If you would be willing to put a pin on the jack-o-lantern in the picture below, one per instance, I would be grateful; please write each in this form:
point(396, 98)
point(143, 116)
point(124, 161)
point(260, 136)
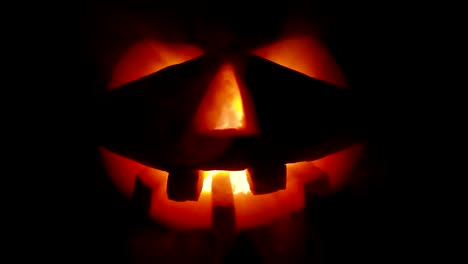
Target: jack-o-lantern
point(246, 130)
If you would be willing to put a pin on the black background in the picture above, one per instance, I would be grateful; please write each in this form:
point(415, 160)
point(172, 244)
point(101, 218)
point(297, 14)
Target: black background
point(82, 218)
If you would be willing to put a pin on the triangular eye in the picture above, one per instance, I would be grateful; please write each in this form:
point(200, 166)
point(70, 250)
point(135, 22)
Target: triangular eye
point(226, 105)
point(149, 56)
point(305, 55)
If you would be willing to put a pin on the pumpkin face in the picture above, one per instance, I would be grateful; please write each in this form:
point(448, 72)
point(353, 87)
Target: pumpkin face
point(217, 115)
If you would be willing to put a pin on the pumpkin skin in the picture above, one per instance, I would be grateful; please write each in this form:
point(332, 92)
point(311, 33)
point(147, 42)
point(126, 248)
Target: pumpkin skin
point(169, 140)
point(124, 165)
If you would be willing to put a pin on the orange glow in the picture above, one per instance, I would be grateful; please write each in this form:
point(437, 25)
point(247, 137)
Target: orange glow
point(305, 55)
point(228, 111)
point(224, 102)
point(227, 107)
point(150, 56)
point(122, 171)
point(339, 165)
point(254, 210)
point(251, 210)
point(223, 107)
point(239, 183)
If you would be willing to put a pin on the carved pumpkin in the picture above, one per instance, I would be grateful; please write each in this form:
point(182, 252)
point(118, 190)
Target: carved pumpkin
point(246, 129)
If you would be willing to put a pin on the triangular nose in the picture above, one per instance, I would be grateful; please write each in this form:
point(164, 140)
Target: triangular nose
point(226, 105)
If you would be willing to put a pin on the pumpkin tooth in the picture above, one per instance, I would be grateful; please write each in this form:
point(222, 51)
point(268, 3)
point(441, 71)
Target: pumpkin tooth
point(224, 215)
point(184, 185)
point(141, 196)
point(267, 178)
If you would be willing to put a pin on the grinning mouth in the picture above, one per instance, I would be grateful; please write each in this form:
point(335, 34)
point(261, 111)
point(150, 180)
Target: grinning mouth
point(320, 177)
